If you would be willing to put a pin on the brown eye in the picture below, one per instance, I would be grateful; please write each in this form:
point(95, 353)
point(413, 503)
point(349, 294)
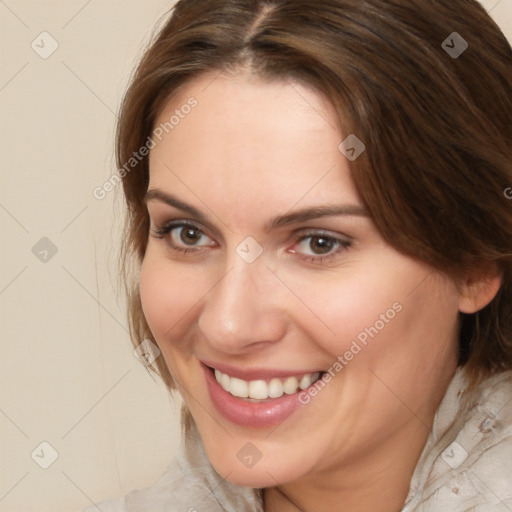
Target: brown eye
point(321, 244)
point(190, 235)
point(183, 236)
point(317, 247)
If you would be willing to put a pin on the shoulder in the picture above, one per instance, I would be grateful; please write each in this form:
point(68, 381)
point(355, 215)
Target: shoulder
point(189, 484)
point(467, 462)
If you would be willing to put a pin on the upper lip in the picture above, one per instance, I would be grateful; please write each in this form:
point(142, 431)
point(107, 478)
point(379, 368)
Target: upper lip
point(249, 374)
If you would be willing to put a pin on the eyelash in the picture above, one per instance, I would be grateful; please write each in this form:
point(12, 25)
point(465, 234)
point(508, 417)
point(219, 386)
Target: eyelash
point(165, 230)
point(339, 243)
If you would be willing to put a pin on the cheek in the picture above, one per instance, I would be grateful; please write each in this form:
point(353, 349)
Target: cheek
point(396, 308)
point(168, 296)
point(337, 308)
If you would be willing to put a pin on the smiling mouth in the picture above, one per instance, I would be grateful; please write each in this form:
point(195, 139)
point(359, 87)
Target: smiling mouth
point(260, 390)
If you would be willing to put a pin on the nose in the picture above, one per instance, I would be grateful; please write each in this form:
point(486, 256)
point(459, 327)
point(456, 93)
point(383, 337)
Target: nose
point(244, 310)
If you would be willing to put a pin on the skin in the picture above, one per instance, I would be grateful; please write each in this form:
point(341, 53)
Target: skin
point(249, 152)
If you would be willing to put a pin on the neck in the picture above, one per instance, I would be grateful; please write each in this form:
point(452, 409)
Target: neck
point(378, 480)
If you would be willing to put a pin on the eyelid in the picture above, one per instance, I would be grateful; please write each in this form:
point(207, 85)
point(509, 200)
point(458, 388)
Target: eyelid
point(343, 242)
point(175, 223)
point(181, 222)
point(305, 232)
point(169, 214)
point(165, 230)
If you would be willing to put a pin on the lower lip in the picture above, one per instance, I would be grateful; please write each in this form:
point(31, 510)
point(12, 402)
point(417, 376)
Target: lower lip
point(250, 414)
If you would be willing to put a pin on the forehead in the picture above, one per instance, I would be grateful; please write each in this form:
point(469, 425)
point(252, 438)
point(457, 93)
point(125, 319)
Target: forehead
point(250, 142)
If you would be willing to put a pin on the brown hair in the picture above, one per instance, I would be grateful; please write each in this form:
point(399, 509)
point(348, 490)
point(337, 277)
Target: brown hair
point(437, 126)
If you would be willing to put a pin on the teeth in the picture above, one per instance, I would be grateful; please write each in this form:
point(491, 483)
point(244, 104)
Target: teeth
point(222, 379)
point(261, 390)
point(239, 387)
point(258, 389)
point(305, 382)
point(290, 385)
point(275, 388)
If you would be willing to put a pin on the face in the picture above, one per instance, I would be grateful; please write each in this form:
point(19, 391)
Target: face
point(263, 264)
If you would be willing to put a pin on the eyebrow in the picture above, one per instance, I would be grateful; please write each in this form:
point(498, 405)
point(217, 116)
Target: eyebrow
point(295, 217)
point(155, 194)
point(317, 212)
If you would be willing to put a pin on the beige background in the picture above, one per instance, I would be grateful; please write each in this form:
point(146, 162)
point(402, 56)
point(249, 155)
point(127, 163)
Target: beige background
point(68, 375)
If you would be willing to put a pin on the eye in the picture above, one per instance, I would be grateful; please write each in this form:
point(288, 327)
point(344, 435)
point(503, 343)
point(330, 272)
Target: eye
point(318, 244)
point(183, 236)
point(188, 235)
point(316, 247)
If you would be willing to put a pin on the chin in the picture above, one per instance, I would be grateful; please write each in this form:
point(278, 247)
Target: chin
point(263, 473)
point(251, 479)
point(256, 478)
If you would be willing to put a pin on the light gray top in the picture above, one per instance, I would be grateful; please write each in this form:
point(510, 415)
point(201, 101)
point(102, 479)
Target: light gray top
point(466, 465)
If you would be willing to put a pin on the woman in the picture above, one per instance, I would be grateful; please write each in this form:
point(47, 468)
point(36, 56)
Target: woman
point(323, 253)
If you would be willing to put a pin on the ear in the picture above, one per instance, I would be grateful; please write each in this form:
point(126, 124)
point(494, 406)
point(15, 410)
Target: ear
point(479, 288)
